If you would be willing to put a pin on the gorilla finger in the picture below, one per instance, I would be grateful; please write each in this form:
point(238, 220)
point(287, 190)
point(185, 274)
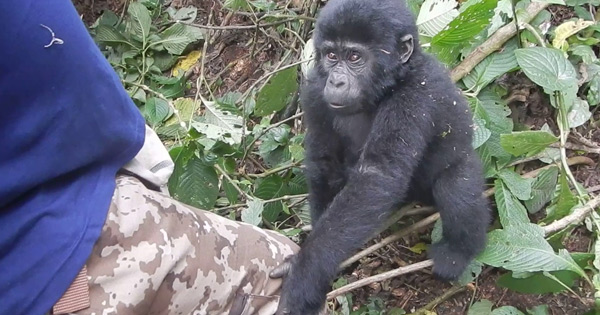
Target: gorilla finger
point(281, 270)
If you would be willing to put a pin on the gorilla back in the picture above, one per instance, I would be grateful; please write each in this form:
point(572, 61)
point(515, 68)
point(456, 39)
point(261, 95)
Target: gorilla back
point(385, 125)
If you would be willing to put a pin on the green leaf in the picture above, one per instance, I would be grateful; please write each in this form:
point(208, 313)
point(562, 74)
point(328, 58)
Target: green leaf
point(483, 307)
point(527, 142)
point(157, 110)
point(110, 36)
point(507, 310)
point(447, 43)
point(492, 67)
point(230, 192)
point(510, 210)
point(539, 310)
point(538, 283)
point(268, 188)
point(518, 186)
point(176, 38)
point(275, 94)
point(471, 273)
point(480, 133)
point(140, 23)
point(219, 125)
point(252, 213)
point(542, 189)
point(297, 185)
point(564, 202)
point(522, 248)
point(579, 113)
point(593, 94)
point(194, 183)
point(547, 67)
point(435, 15)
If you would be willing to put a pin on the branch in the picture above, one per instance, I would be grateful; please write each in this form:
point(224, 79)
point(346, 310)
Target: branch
point(380, 277)
point(494, 43)
point(574, 218)
point(241, 27)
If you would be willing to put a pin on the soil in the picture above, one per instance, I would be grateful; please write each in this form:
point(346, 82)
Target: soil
point(233, 65)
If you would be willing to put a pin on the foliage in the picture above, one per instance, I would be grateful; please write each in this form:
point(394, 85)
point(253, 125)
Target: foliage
point(237, 155)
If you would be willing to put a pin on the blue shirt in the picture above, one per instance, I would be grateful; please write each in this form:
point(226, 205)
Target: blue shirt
point(66, 127)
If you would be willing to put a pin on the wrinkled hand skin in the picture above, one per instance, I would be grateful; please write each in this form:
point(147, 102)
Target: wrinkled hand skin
point(303, 293)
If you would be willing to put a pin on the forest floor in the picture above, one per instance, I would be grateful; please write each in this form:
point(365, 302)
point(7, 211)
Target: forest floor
point(228, 59)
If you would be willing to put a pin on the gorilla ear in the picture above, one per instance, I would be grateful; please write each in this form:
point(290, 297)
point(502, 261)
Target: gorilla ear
point(406, 47)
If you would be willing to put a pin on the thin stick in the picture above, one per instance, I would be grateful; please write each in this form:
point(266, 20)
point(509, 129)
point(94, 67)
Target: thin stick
point(380, 277)
point(438, 300)
point(241, 27)
point(392, 238)
point(574, 218)
point(494, 43)
point(243, 193)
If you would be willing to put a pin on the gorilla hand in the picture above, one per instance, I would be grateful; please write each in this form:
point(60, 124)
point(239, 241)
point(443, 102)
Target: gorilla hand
point(298, 294)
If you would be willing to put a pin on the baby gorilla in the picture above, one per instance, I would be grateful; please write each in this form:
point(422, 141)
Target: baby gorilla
point(385, 125)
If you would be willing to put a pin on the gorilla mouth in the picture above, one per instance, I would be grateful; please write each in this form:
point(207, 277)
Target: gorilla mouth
point(335, 105)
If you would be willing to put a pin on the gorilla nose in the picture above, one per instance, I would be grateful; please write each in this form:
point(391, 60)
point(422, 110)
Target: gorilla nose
point(338, 80)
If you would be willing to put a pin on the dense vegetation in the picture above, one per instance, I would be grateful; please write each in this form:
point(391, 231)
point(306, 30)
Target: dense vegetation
point(237, 142)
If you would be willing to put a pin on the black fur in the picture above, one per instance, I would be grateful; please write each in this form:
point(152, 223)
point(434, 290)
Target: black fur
point(409, 140)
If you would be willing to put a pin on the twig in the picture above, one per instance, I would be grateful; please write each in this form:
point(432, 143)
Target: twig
point(494, 43)
point(275, 170)
point(241, 27)
point(574, 218)
point(438, 300)
point(268, 74)
point(578, 147)
point(282, 198)
point(243, 193)
point(380, 277)
point(535, 33)
point(392, 238)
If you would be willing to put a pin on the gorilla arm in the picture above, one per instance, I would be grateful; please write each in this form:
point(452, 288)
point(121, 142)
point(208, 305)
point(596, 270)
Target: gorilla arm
point(379, 183)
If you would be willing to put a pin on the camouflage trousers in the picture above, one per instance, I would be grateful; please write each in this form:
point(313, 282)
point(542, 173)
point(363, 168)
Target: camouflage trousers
point(158, 256)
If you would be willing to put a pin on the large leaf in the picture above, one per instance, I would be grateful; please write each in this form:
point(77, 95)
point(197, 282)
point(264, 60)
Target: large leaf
point(194, 183)
point(140, 20)
point(483, 307)
point(252, 213)
point(538, 283)
point(522, 248)
point(435, 15)
point(527, 142)
point(492, 67)
point(276, 93)
point(447, 43)
point(507, 310)
point(480, 133)
point(547, 67)
point(176, 38)
point(109, 35)
point(565, 201)
point(510, 210)
point(268, 188)
point(579, 113)
point(542, 189)
point(520, 187)
point(157, 110)
point(219, 125)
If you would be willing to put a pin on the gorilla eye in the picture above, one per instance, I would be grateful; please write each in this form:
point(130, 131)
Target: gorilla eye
point(332, 56)
point(354, 57)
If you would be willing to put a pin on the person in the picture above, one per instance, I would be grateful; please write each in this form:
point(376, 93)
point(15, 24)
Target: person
point(83, 227)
